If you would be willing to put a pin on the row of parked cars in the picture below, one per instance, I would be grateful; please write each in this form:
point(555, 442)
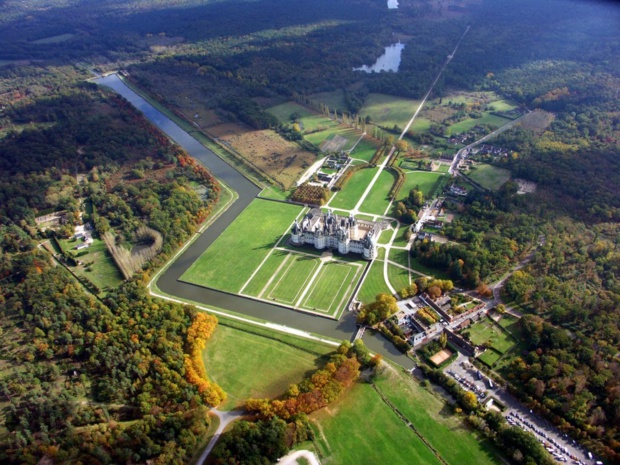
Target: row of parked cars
point(481, 393)
point(558, 451)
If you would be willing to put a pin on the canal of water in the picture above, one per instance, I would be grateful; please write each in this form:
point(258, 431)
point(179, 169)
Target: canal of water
point(169, 280)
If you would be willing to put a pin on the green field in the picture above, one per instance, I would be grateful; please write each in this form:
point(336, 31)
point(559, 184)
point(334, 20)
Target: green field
point(400, 239)
point(399, 277)
point(305, 282)
point(373, 284)
point(335, 99)
point(361, 429)
point(103, 272)
point(292, 279)
point(489, 176)
point(332, 287)
point(487, 119)
point(378, 201)
point(348, 197)
point(503, 105)
point(452, 439)
point(309, 120)
point(234, 357)
point(243, 246)
point(386, 110)
point(421, 268)
point(351, 135)
point(510, 324)
point(486, 331)
point(365, 149)
point(489, 357)
point(401, 257)
point(425, 180)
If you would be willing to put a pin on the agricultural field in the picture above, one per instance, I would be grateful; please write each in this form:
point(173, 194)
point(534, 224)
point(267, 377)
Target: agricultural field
point(373, 284)
point(307, 119)
point(386, 110)
point(305, 282)
point(487, 332)
point(489, 176)
point(281, 160)
point(281, 363)
point(348, 197)
point(243, 246)
point(378, 201)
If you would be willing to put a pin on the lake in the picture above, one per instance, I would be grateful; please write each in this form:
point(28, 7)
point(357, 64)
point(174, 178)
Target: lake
point(392, 4)
point(389, 61)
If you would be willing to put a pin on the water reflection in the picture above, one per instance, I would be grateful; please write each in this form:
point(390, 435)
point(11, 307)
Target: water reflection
point(389, 61)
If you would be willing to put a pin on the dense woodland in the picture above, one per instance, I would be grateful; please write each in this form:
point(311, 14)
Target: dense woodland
point(557, 55)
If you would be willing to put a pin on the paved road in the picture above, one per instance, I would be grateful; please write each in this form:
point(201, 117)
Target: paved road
point(291, 459)
point(225, 419)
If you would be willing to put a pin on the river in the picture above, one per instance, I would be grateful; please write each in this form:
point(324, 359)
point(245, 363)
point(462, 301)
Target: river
point(169, 280)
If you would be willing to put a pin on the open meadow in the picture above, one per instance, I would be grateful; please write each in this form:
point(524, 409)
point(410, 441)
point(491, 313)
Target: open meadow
point(280, 363)
point(426, 181)
point(387, 110)
point(309, 120)
point(446, 433)
point(243, 246)
point(489, 176)
point(373, 284)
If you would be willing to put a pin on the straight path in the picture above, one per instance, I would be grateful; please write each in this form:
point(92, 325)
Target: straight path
point(389, 156)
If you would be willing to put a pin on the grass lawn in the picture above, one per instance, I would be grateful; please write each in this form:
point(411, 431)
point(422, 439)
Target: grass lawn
point(385, 236)
point(417, 266)
point(332, 288)
point(292, 279)
point(487, 119)
point(272, 192)
point(373, 284)
point(399, 277)
point(348, 197)
point(365, 149)
point(243, 246)
point(455, 442)
point(401, 257)
point(489, 357)
point(486, 331)
point(361, 428)
point(234, 358)
point(103, 272)
point(510, 324)
point(387, 110)
point(258, 283)
point(400, 240)
point(378, 201)
point(489, 176)
point(425, 180)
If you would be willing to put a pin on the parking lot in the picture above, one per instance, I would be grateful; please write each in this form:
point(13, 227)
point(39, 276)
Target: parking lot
point(563, 448)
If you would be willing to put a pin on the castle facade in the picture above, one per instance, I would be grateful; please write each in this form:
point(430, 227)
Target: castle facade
point(344, 234)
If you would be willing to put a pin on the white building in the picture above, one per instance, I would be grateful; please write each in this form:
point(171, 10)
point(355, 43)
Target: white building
point(344, 234)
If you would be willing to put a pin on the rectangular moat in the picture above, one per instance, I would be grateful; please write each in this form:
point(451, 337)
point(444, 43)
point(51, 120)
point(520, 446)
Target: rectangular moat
point(284, 254)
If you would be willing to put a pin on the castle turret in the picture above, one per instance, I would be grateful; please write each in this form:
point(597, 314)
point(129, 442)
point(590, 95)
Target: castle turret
point(295, 233)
